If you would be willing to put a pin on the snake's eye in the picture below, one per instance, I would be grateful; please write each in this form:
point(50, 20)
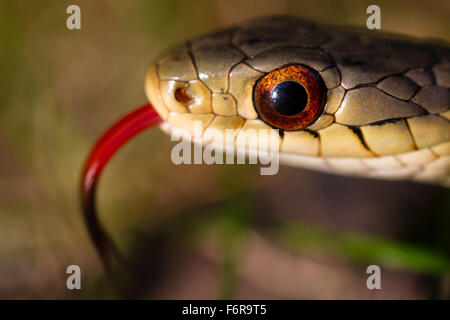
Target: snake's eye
point(290, 98)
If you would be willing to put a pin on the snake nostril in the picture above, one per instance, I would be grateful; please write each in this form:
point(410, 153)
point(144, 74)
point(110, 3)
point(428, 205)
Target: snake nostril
point(182, 95)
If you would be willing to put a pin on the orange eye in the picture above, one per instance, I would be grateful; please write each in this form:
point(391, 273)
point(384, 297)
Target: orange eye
point(290, 98)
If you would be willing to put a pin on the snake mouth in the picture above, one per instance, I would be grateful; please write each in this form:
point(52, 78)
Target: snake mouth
point(152, 90)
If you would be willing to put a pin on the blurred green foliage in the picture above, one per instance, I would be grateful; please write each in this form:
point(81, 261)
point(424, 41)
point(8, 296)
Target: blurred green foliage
point(364, 248)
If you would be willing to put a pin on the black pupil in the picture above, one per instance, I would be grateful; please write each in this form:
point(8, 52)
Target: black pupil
point(289, 98)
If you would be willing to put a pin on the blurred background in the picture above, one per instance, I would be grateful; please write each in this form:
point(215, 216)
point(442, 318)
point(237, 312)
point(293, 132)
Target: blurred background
point(190, 231)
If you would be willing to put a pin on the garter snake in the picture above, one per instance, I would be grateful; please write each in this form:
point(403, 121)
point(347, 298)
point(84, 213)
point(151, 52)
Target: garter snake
point(340, 100)
point(383, 112)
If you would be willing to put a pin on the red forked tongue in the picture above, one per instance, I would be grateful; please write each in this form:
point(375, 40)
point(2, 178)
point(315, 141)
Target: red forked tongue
point(111, 141)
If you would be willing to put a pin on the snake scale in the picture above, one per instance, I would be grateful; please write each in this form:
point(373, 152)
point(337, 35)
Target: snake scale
point(385, 111)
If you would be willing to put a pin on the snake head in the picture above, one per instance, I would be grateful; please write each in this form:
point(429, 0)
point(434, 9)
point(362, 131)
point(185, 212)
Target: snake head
point(341, 100)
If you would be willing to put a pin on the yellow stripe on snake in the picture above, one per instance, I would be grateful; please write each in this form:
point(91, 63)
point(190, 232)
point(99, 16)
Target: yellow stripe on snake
point(384, 112)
